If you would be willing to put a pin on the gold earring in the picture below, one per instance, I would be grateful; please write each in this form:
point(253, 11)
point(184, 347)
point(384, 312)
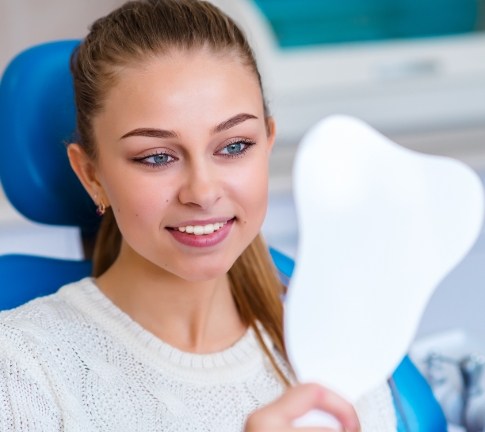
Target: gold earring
point(100, 207)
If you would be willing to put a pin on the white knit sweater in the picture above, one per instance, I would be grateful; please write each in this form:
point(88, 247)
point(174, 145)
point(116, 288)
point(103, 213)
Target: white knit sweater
point(73, 361)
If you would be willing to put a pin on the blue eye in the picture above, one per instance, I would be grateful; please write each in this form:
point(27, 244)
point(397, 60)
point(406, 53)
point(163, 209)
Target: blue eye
point(155, 160)
point(235, 148)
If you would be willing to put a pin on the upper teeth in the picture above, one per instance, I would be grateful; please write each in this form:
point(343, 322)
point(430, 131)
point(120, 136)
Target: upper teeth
point(201, 229)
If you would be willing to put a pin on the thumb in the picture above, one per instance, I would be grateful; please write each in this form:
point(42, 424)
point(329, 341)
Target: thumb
point(301, 399)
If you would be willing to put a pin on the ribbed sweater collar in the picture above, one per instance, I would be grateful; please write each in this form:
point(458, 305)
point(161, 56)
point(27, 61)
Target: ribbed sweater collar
point(237, 360)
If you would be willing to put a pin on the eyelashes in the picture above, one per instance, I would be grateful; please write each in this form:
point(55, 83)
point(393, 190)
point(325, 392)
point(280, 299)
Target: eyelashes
point(158, 159)
point(236, 148)
point(155, 159)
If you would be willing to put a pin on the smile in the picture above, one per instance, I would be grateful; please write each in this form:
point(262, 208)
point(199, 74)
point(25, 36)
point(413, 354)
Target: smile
point(201, 229)
point(202, 236)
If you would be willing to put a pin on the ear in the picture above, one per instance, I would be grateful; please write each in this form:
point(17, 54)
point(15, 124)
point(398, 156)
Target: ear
point(86, 171)
point(271, 131)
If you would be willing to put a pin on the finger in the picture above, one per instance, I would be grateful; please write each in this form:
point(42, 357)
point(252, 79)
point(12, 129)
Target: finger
point(301, 399)
point(255, 428)
point(340, 408)
point(257, 423)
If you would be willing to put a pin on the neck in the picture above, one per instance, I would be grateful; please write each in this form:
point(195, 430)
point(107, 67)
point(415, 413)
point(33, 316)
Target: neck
point(193, 316)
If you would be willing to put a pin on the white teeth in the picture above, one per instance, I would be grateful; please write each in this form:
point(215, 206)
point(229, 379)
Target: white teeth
point(209, 229)
point(201, 229)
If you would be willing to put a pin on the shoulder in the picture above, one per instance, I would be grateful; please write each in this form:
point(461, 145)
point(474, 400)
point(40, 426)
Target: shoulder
point(43, 319)
point(36, 354)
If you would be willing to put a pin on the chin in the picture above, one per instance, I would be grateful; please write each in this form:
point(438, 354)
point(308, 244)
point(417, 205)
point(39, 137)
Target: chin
point(205, 274)
point(204, 268)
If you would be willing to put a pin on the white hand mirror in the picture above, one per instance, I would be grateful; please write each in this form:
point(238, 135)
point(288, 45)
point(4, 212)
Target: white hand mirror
point(379, 227)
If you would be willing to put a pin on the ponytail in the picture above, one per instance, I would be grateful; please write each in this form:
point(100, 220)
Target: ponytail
point(108, 243)
point(258, 293)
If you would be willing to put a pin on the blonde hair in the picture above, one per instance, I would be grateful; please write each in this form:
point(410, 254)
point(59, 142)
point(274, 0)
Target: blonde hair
point(131, 33)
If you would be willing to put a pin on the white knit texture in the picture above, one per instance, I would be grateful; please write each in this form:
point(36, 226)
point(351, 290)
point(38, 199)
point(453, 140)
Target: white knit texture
point(73, 362)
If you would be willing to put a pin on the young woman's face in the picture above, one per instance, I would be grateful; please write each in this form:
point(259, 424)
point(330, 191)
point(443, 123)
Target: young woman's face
point(183, 152)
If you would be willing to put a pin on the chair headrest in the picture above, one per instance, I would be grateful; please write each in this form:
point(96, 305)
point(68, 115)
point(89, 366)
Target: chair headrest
point(37, 120)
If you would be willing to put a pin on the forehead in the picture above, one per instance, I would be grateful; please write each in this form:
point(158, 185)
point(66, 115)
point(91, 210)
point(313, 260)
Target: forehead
point(180, 90)
point(200, 74)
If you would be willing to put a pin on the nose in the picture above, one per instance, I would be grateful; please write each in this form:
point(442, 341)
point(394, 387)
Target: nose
point(201, 186)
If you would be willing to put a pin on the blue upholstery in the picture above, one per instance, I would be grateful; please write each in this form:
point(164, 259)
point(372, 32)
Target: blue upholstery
point(26, 277)
point(417, 409)
point(36, 119)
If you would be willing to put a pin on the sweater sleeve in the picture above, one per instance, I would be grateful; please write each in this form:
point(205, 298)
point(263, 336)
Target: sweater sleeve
point(376, 410)
point(26, 402)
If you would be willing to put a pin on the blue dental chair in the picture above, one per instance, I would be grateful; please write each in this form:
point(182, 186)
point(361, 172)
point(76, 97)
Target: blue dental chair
point(37, 118)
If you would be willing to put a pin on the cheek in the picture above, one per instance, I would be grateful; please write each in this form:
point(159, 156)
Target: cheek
point(137, 200)
point(253, 192)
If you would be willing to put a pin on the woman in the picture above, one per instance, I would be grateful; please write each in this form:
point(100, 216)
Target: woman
point(180, 327)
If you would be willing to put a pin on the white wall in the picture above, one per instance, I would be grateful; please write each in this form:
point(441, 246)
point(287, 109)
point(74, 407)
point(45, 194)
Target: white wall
point(24, 23)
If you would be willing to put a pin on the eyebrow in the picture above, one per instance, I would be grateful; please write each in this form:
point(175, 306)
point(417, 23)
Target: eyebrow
point(233, 121)
point(162, 133)
point(150, 132)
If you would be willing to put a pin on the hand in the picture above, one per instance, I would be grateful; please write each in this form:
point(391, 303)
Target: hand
point(279, 415)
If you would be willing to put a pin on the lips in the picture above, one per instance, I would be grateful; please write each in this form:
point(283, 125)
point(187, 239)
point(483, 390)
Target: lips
point(202, 234)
